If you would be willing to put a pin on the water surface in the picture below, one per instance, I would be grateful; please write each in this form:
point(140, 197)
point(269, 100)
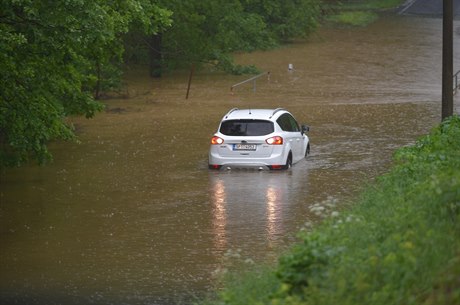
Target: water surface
point(132, 215)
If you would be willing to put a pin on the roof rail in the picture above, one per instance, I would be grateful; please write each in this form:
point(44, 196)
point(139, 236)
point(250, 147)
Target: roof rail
point(226, 116)
point(275, 111)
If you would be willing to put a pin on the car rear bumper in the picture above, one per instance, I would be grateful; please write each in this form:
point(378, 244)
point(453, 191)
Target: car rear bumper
point(273, 162)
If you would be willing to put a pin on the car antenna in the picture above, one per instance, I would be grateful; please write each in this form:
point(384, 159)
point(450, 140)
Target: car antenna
point(250, 111)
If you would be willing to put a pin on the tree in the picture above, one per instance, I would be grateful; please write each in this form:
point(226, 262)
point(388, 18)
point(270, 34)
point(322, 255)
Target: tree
point(53, 57)
point(287, 19)
point(208, 31)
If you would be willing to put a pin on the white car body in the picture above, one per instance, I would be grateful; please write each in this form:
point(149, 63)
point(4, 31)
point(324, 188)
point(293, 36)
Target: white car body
point(258, 138)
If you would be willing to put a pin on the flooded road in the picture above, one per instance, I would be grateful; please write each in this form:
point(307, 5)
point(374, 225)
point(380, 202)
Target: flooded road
point(132, 215)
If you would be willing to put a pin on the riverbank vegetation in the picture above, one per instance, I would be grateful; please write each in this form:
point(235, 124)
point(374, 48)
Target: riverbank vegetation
point(56, 59)
point(358, 12)
point(398, 244)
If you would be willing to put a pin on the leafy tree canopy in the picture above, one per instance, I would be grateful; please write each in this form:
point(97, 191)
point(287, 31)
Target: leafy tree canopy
point(207, 31)
point(51, 56)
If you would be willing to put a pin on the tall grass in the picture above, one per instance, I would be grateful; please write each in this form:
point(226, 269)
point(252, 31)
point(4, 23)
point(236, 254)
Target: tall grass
point(398, 244)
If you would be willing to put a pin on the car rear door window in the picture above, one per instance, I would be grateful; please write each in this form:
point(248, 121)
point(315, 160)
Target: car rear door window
point(294, 124)
point(246, 127)
point(288, 123)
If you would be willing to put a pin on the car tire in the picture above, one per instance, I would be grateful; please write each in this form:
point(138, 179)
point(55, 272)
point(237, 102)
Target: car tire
point(307, 151)
point(288, 162)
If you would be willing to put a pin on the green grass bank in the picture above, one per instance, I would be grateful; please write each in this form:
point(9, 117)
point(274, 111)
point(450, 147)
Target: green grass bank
point(399, 243)
point(357, 12)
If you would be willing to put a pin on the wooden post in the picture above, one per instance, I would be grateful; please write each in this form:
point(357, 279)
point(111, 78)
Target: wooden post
point(447, 60)
point(192, 68)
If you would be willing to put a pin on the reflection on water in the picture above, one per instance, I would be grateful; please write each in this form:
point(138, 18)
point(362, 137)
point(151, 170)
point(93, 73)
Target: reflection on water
point(257, 204)
point(218, 196)
point(273, 212)
point(131, 215)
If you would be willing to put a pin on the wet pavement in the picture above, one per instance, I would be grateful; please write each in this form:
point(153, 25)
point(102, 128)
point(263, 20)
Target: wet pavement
point(428, 8)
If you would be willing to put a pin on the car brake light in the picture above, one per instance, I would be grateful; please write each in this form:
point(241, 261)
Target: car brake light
point(277, 140)
point(216, 140)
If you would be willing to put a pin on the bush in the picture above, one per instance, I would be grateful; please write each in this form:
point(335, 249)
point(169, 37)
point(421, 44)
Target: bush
point(387, 249)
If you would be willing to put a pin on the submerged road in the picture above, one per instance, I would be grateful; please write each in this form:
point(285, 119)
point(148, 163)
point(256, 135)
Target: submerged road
point(428, 8)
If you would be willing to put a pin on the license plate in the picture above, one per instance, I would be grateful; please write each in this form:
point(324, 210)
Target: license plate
point(244, 147)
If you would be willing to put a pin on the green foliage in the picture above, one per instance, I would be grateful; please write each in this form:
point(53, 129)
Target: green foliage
point(393, 245)
point(371, 4)
point(354, 18)
point(55, 58)
point(257, 288)
point(309, 257)
point(358, 13)
point(287, 19)
point(225, 63)
point(208, 31)
point(402, 231)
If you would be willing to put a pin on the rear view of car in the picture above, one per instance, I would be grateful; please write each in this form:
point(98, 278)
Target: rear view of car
point(258, 138)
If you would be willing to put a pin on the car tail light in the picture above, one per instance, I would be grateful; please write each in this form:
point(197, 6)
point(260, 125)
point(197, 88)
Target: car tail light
point(276, 167)
point(275, 140)
point(216, 140)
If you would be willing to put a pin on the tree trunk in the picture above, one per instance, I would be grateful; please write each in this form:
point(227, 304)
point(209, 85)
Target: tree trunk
point(97, 90)
point(155, 55)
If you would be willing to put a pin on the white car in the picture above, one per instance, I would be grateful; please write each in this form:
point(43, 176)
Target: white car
point(258, 138)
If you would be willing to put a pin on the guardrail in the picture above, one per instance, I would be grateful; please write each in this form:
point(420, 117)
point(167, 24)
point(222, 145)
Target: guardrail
point(253, 79)
point(456, 82)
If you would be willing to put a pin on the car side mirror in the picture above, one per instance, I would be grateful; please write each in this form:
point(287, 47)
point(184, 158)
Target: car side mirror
point(305, 128)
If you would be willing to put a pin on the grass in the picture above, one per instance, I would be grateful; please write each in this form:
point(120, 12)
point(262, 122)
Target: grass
point(372, 4)
point(354, 18)
point(398, 244)
point(358, 13)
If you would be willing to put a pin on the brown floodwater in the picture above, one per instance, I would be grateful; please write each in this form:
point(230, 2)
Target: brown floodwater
point(132, 215)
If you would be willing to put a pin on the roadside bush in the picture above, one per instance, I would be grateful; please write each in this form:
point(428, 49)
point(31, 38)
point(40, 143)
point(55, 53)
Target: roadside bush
point(388, 248)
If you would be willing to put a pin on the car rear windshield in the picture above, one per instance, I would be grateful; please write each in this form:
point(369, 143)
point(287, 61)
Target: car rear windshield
point(246, 127)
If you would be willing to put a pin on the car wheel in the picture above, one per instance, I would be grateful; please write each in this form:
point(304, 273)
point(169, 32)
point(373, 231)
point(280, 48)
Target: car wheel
point(288, 162)
point(307, 151)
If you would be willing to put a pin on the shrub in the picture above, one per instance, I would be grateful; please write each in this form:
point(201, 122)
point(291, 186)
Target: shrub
point(387, 249)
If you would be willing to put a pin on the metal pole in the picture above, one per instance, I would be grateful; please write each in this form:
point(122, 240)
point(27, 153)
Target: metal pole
point(192, 68)
point(447, 60)
point(456, 82)
point(250, 79)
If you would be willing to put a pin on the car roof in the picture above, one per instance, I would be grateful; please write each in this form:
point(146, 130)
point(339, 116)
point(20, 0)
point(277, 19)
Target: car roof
point(254, 114)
